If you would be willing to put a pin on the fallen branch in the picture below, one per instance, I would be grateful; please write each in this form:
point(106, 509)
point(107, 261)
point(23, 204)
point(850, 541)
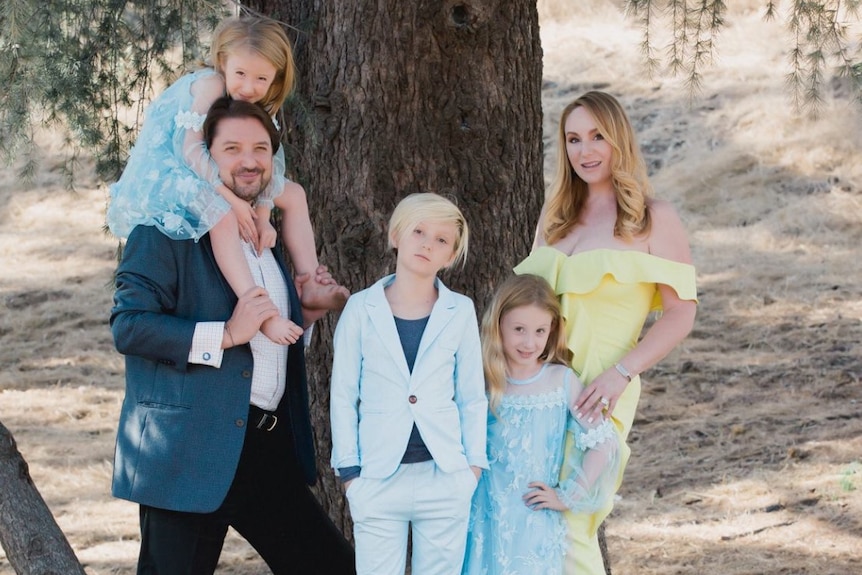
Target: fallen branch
point(756, 531)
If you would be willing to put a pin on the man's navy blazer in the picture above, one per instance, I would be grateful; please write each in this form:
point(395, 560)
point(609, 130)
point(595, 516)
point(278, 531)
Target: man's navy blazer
point(182, 425)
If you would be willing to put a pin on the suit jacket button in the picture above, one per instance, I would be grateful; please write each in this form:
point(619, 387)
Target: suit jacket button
point(239, 422)
point(246, 373)
point(412, 399)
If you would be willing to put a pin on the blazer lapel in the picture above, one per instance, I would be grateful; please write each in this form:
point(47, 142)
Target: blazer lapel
point(384, 324)
point(441, 314)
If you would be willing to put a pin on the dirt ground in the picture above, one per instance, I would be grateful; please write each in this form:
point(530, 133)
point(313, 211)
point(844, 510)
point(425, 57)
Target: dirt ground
point(747, 450)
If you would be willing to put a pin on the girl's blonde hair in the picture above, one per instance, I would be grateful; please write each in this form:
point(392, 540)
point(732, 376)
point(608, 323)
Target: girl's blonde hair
point(568, 193)
point(429, 207)
point(519, 291)
point(265, 38)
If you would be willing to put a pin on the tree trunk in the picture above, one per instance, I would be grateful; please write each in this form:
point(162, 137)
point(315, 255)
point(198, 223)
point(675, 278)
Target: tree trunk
point(603, 546)
point(29, 535)
point(398, 97)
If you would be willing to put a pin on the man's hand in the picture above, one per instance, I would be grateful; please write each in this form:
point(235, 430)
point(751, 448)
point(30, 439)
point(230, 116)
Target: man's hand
point(319, 293)
point(252, 309)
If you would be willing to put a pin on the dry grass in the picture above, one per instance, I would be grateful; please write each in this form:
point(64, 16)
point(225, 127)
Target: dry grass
point(747, 452)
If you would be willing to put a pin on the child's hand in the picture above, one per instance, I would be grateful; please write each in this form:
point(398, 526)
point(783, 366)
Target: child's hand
point(477, 471)
point(543, 497)
point(245, 217)
point(266, 235)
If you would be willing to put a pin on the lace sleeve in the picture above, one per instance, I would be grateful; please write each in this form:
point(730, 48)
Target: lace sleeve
point(591, 467)
point(276, 184)
point(192, 106)
point(194, 151)
point(188, 120)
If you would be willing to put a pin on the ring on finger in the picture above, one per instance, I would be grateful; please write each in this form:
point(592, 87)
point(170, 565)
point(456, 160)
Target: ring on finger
point(605, 401)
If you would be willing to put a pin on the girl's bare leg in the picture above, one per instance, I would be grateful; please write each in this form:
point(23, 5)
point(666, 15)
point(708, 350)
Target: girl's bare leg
point(299, 238)
point(232, 263)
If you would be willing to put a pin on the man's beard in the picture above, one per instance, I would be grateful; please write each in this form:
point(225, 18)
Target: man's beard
point(247, 192)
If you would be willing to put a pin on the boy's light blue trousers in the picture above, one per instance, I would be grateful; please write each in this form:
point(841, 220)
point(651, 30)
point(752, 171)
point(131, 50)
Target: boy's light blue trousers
point(436, 504)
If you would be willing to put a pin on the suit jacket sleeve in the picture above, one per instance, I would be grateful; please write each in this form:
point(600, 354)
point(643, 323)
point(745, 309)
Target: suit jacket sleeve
point(470, 391)
point(147, 283)
point(344, 389)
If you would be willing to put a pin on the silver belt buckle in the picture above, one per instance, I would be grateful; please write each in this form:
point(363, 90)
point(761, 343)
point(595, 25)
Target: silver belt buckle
point(262, 424)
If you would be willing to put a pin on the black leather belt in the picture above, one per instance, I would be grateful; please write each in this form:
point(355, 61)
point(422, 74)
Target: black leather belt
point(261, 419)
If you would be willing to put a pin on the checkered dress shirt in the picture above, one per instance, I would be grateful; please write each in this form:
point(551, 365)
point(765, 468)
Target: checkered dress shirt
point(270, 359)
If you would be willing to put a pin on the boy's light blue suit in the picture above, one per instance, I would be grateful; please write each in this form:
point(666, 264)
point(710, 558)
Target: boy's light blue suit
point(376, 399)
point(447, 386)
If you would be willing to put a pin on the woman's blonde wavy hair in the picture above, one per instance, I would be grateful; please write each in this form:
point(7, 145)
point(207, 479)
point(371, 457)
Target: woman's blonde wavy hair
point(267, 39)
point(568, 193)
point(519, 291)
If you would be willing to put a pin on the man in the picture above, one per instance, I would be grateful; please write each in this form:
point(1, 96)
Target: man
point(214, 429)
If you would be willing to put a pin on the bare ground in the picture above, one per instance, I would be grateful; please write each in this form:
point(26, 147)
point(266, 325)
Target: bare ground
point(747, 450)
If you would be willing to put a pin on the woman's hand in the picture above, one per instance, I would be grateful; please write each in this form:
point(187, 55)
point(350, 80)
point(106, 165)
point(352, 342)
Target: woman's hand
point(601, 396)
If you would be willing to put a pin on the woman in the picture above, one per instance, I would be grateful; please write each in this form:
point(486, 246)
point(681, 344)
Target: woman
point(613, 255)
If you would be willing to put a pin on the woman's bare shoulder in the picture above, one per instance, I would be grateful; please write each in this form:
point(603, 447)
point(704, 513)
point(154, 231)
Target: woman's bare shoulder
point(667, 235)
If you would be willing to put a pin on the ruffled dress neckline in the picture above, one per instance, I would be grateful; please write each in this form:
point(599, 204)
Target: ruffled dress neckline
point(532, 379)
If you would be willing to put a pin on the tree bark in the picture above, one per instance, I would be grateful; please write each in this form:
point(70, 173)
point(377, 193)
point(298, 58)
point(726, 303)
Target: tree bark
point(398, 97)
point(603, 547)
point(29, 535)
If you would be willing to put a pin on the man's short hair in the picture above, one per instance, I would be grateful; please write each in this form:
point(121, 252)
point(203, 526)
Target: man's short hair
point(226, 107)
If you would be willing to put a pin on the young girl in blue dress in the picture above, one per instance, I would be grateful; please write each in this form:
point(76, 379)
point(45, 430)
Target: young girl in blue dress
point(171, 182)
point(516, 523)
point(408, 405)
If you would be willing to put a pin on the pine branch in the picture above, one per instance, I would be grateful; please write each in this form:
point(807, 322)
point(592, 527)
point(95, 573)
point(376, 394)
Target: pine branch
point(643, 11)
point(77, 64)
point(818, 31)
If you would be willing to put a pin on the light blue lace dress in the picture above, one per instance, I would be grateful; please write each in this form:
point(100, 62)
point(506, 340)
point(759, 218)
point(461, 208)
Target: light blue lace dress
point(525, 444)
point(169, 184)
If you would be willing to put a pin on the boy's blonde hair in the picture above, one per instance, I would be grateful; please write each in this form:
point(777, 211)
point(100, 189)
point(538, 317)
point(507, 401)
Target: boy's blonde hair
point(568, 193)
point(519, 291)
point(265, 38)
point(429, 207)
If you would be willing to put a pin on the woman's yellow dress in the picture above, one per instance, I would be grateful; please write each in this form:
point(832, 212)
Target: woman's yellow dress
point(606, 295)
